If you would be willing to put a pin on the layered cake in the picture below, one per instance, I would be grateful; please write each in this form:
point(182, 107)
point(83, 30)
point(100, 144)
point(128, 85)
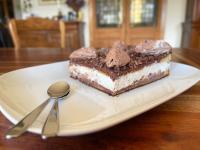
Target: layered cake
point(122, 67)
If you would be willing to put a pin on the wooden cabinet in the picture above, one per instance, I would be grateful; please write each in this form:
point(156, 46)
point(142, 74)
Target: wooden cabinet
point(72, 33)
point(127, 20)
point(47, 33)
point(195, 35)
point(191, 26)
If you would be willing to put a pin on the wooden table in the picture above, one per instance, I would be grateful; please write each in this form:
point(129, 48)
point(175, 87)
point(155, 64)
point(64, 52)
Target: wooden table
point(173, 125)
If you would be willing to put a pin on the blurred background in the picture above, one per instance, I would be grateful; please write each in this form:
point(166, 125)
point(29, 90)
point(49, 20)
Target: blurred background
point(100, 22)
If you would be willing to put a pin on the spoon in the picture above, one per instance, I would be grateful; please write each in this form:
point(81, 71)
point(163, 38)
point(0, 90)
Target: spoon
point(57, 90)
point(51, 125)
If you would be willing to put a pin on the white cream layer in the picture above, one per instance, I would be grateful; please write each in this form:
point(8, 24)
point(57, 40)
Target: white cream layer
point(124, 81)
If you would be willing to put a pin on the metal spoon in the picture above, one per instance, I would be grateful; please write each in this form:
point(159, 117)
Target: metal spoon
point(51, 125)
point(56, 90)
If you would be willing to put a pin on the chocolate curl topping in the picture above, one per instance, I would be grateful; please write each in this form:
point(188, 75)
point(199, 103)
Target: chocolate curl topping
point(84, 53)
point(153, 47)
point(117, 57)
point(120, 45)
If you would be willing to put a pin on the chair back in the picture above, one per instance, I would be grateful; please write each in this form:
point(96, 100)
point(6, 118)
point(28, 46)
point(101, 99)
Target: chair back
point(35, 33)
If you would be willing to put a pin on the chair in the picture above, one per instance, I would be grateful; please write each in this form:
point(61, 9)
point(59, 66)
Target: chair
point(35, 33)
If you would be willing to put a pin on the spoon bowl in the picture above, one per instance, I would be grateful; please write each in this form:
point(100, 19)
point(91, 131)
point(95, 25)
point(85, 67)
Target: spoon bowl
point(58, 89)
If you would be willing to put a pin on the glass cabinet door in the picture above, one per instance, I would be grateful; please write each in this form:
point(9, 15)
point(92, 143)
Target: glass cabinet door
point(143, 13)
point(108, 13)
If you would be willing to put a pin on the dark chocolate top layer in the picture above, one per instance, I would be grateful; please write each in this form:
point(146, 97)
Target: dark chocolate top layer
point(137, 59)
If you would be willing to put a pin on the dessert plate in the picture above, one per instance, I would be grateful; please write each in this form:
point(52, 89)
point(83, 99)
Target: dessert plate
point(85, 109)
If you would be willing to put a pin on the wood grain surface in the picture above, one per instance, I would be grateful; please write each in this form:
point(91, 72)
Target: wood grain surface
point(172, 125)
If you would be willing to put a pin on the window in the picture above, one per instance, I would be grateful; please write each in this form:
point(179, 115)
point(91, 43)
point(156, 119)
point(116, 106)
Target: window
point(109, 13)
point(143, 13)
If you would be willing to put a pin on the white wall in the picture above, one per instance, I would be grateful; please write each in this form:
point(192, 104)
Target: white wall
point(86, 23)
point(17, 8)
point(47, 10)
point(174, 18)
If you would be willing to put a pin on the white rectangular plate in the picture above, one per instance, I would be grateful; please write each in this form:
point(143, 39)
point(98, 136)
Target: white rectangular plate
point(85, 110)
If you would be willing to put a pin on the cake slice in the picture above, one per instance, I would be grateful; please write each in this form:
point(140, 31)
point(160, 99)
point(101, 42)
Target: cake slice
point(122, 67)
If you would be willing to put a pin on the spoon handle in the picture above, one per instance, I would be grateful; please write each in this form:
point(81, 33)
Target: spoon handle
point(51, 125)
point(23, 125)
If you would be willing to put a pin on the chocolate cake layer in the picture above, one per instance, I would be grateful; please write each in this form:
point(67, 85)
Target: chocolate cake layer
point(150, 78)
